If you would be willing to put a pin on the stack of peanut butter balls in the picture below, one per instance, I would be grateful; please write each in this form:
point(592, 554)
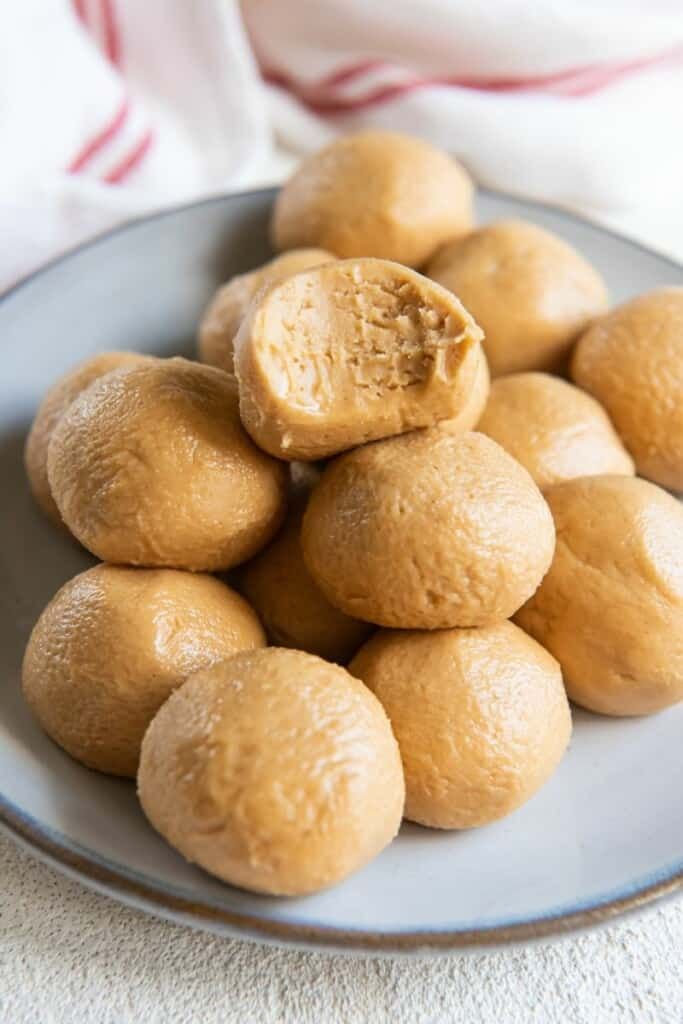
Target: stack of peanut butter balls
point(414, 443)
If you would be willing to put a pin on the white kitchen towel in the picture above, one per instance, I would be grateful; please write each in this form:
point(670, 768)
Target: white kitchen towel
point(112, 107)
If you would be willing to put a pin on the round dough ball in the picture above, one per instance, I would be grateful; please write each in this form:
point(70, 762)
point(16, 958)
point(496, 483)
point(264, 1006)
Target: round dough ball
point(349, 352)
point(556, 431)
point(224, 314)
point(113, 644)
point(375, 194)
point(275, 771)
point(57, 401)
point(470, 414)
point(632, 361)
point(427, 531)
point(291, 605)
point(611, 607)
point(530, 292)
point(480, 715)
point(151, 466)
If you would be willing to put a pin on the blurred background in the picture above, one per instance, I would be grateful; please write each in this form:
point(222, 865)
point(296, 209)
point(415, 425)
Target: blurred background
point(110, 108)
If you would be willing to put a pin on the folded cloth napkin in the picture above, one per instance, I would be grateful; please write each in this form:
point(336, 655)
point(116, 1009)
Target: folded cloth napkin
point(109, 108)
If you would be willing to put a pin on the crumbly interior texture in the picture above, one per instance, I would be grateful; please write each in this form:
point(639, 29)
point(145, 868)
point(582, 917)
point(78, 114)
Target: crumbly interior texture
point(112, 645)
point(480, 715)
point(224, 314)
point(553, 429)
point(275, 771)
point(530, 292)
point(350, 352)
point(427, 531)
point(151, 467)
point(54, 404)
point(611, 606)
point(380, 194)
point(632, 362)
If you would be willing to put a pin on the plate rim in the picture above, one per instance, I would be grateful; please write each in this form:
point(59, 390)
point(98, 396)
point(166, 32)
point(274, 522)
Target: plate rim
point(44, 843)
point(53, 847)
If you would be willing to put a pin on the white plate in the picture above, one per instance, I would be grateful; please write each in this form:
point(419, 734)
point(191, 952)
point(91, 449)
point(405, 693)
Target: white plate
point(604, 836)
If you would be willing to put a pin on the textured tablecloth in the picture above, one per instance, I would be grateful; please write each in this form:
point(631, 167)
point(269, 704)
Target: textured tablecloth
point(69, 956)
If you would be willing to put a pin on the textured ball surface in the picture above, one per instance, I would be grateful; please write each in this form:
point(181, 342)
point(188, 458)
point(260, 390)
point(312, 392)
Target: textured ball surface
point(375, 194)
point(428, 530)
point(611, 606)
point(632, 361)
point(151, 466)
point(480, 715)
point(553, 429)
point(275, 771)
point(530, 292)
point(54, 404)
point(113, 644)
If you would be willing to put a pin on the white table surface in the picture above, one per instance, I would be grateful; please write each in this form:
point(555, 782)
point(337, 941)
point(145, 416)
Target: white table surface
point(69, 956)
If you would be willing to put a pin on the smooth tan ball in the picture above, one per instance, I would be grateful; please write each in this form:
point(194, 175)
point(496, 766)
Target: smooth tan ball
point(480, 715)
point(555, 430)
point(375, 194)
point(611, 607)
point(349, 352)
point(111, 646)
point(224, 314)
point(427, 531)
point(530, 291)
point(475, 403)
point(632, 361)
point(56, 401)
point(291, 605)
point(275, 771)
point(151, 466)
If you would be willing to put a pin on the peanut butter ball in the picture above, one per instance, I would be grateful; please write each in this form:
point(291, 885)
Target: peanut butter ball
point(480, 715)
point(111, 646)
point(151, 466)
point(427, 531)
point(275, 771)
point(56, 401)
point(349, 352)
point(611, 607)
point(530, 291)
point(224, 314)
point(632, 361)
point(290, 604)
point(375, 194)
point(555, 430)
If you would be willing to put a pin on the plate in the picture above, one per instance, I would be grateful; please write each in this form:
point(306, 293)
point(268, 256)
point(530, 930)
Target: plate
point(603, 837)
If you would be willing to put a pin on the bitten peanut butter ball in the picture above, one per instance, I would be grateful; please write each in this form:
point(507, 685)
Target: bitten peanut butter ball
point(480, 715)
point(375, 194)
point(114, 643)
point(151, 466)
point(57, 401)
point(555, 430)
point(632, 361)
point(427, 531)
point(611, 606)
point(224, 314)
point(531, 293)
point(275, 771)
point(350, 352)
point(290, 604)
